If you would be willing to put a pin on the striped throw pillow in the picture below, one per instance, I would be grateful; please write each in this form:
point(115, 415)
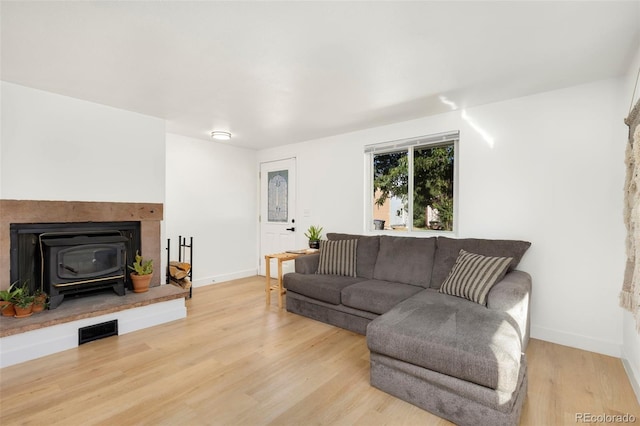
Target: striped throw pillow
point(473, 275)
point(338, 257)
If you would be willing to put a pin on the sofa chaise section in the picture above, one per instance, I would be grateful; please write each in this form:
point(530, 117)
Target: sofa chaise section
point(452, 357)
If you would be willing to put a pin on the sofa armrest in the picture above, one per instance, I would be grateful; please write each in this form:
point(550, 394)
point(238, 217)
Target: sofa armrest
point(307, 264)
point(513, 296)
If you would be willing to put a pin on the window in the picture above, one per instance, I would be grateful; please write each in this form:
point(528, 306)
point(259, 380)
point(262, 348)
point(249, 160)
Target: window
point(278, 196)
point(412, 183)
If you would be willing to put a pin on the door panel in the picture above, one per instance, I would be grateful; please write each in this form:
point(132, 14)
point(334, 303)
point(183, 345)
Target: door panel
point(277, 210)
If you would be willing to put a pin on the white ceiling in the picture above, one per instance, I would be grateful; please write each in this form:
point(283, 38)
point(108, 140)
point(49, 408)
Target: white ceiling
point(274, 73)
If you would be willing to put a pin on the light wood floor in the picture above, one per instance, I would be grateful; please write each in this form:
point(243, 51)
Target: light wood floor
point(235, 361)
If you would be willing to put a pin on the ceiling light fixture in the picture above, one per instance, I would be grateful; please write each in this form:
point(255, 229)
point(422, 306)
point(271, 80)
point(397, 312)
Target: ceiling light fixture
point(220, 136)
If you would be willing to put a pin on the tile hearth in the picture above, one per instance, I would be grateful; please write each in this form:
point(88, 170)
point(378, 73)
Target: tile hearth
point(77, 308)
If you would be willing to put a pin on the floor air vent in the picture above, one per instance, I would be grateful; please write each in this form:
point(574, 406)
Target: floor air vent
point(97, 331)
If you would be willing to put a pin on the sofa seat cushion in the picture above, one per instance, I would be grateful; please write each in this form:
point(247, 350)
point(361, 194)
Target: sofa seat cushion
point(406, 260)
point(377, 296)
point(452, 336)
point(322, 287)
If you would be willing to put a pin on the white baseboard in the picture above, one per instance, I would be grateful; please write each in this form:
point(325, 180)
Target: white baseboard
point(30, 345)
point(577, 341)
point(224, 277)
point(633, 373)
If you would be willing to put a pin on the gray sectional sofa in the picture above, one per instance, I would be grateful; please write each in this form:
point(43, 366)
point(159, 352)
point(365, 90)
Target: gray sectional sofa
point(461, 360)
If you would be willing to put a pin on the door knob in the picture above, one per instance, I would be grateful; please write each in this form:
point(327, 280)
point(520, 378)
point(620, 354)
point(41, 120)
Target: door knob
point(293, 228)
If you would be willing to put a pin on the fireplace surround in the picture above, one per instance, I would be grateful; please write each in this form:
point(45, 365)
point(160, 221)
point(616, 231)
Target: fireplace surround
point(14, 212)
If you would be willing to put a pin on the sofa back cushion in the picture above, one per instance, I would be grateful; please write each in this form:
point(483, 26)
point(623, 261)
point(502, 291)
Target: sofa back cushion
point(366, 252)
point(449, 249)
point(406, 260)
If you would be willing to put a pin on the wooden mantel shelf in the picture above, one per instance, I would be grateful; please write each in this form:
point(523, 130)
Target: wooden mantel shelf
point(42, 211)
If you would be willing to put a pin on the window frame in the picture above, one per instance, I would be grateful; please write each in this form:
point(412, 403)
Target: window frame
point(409, 145)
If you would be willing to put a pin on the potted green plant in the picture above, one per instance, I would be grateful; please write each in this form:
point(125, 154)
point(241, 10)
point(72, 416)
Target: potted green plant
point(23, 302)
point(142, 274)
point(6, 300)
point(39, 300)
point(313, 234)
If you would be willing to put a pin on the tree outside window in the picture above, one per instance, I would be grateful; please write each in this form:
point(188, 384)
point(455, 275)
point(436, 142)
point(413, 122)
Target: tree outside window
point(424, 171)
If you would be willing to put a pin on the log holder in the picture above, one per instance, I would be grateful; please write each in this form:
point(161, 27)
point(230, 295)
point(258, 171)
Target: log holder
point(183, 250)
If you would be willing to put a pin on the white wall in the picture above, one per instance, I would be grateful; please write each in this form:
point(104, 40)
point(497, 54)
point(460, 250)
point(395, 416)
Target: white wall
point(542, 168)
point(630, 336)
point(82, 151)
point(212, 196)
point(59, 148)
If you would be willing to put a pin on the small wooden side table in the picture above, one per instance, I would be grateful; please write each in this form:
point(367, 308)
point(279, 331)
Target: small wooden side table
point(282, 257)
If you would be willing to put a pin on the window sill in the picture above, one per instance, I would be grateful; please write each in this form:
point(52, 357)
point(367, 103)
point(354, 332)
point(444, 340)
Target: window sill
point(417, 234)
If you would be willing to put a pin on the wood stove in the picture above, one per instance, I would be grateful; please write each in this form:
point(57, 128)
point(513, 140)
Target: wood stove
point(73, 258)
point(77, 262)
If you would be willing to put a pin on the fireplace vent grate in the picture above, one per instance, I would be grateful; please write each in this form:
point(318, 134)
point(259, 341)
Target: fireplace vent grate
point(98, 331)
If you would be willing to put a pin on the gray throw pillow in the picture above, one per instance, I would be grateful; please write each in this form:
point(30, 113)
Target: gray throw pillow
point(449, 248)
point(338, 257)
point(366, 254)
point(473, 275)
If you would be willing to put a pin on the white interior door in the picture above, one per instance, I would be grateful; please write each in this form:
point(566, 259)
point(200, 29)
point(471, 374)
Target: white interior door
point(277, 210)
